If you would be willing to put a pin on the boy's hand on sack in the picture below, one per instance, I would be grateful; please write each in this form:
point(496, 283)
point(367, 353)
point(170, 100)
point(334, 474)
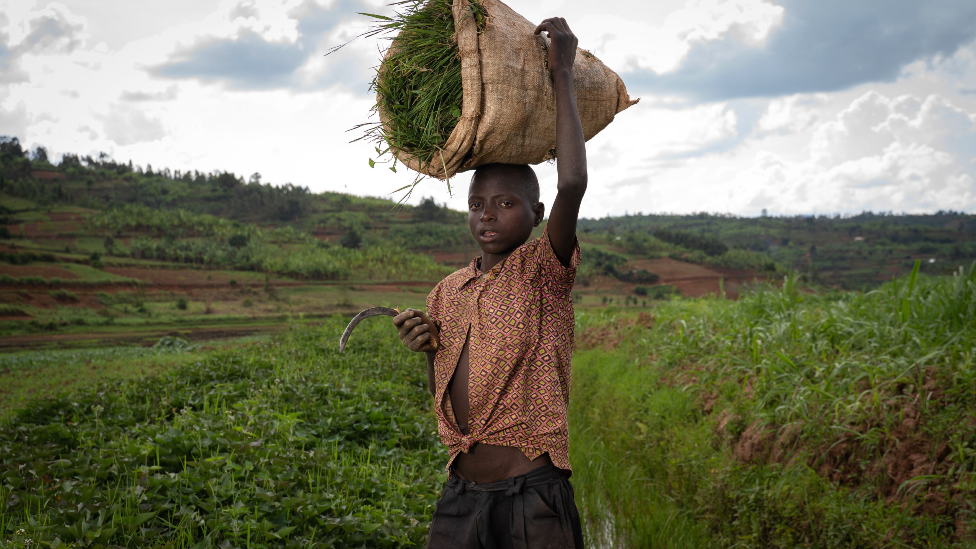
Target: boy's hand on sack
point(415, 330)
point(562, 43)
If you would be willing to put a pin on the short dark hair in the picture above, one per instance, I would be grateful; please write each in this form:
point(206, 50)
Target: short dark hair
point(521, 175)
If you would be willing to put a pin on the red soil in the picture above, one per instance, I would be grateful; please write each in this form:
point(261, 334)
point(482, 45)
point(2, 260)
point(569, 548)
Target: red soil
point(697, 280)
point(671, 269)
point(43, 270)
point(147, 337)
point(47, 175)
point(64, 216)
point(454, 259)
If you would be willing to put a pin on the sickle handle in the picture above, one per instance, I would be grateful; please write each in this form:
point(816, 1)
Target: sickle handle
point(435, 340)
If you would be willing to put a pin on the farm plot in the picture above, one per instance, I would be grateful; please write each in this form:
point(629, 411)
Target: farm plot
point(284, 444)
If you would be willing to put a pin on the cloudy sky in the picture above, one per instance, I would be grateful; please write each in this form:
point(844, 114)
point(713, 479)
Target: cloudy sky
point(795, 106)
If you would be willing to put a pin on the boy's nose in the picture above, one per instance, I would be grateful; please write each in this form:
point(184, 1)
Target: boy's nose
point(487, 215)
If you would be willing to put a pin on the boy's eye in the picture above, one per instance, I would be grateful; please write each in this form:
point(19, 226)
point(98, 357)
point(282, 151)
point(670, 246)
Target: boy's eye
point(474, 205)
point(506, 203)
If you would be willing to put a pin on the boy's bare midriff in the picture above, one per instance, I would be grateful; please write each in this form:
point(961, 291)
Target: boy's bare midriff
point(484, 462)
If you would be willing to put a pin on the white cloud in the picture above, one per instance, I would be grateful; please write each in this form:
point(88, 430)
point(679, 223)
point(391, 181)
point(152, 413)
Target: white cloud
point(50, 30)
point(629, 43)
point(127, 126)
point(903, 154)
point(13, 121)
point(790, 114)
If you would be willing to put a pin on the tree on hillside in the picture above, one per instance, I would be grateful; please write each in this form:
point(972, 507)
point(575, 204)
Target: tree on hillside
point(39, 155)
point(428, 210)
point(227, 180)
point(238, 241)
point(255, 178)
point(709, 244)
point(351, 239)
point(13, 162)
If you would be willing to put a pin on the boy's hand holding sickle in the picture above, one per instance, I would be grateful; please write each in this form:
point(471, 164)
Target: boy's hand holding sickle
point(417, 331)
point(410, 332)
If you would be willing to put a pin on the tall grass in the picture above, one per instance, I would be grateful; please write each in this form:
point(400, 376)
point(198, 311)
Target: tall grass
point(784, 419)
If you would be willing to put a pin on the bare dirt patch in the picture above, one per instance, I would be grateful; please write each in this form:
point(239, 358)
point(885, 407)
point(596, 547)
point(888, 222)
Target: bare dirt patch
point(41, 270)
point(905, 467)
point(672, 269)
point(697, 280)
point(610, 335)
point(454, 259)
point(61, 217)
point(142, 337)
point(182, 278)
point(41, 174)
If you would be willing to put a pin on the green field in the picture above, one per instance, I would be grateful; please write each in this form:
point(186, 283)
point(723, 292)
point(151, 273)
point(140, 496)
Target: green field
point(783, 419)
point(282, 443)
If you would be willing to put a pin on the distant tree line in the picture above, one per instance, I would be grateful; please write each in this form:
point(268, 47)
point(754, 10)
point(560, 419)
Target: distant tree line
point(597, 262)
point(217, 193)
point(706, 243)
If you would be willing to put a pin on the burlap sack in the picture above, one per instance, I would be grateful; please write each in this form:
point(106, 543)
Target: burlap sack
point(509, 106)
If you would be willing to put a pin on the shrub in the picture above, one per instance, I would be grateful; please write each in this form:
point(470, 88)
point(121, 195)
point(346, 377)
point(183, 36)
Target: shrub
point(64, 296)
point(638, 275)
point(238, 241)
point(182, 303)
point(640, 290)
point(10, 310)
point(709, 244)
point(664, 291)
point(351, 239)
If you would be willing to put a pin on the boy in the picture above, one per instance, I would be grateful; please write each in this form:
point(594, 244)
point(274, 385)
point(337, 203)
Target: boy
point(501, 374)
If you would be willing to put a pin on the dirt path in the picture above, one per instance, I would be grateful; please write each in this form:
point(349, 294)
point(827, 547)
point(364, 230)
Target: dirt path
point(141, 337)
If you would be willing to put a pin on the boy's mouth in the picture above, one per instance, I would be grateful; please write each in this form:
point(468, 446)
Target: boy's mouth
point(488, 236)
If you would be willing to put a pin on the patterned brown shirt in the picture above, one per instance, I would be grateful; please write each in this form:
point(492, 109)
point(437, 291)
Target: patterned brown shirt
point(520, 317)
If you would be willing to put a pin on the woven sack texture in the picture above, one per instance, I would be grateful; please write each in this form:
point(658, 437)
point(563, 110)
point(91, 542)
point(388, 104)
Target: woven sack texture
point(508, 112)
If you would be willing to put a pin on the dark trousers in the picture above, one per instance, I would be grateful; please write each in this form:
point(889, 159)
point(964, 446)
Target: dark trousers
point(530, 511)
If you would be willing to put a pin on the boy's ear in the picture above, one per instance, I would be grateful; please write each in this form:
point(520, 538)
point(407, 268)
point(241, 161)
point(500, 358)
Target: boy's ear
point(540, 213)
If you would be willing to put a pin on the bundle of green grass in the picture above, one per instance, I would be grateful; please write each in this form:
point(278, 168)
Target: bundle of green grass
point(465, 83)
point(418, 85)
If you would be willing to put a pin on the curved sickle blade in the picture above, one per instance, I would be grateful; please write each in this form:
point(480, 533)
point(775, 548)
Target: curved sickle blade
point(375, 311)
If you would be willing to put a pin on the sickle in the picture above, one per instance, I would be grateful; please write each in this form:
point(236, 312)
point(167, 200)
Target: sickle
point(384, 311)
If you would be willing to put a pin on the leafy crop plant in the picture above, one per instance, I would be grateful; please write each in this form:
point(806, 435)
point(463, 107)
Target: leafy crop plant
point(279, 444)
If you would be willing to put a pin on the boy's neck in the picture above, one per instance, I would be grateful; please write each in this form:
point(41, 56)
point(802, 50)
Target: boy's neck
point(490, 260)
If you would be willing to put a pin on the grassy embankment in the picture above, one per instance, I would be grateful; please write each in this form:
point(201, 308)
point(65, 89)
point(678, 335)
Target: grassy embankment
point(782, 420)
point(285, 443)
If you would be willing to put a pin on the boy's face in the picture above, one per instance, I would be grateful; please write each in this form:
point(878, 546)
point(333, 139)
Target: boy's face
point(500, 214)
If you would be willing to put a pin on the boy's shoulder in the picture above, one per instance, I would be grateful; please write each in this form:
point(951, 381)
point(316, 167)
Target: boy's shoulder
point(526, 252)
point(459, 276)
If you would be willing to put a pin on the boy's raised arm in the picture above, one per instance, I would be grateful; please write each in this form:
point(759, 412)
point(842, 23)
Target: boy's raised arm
point(570, 144)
